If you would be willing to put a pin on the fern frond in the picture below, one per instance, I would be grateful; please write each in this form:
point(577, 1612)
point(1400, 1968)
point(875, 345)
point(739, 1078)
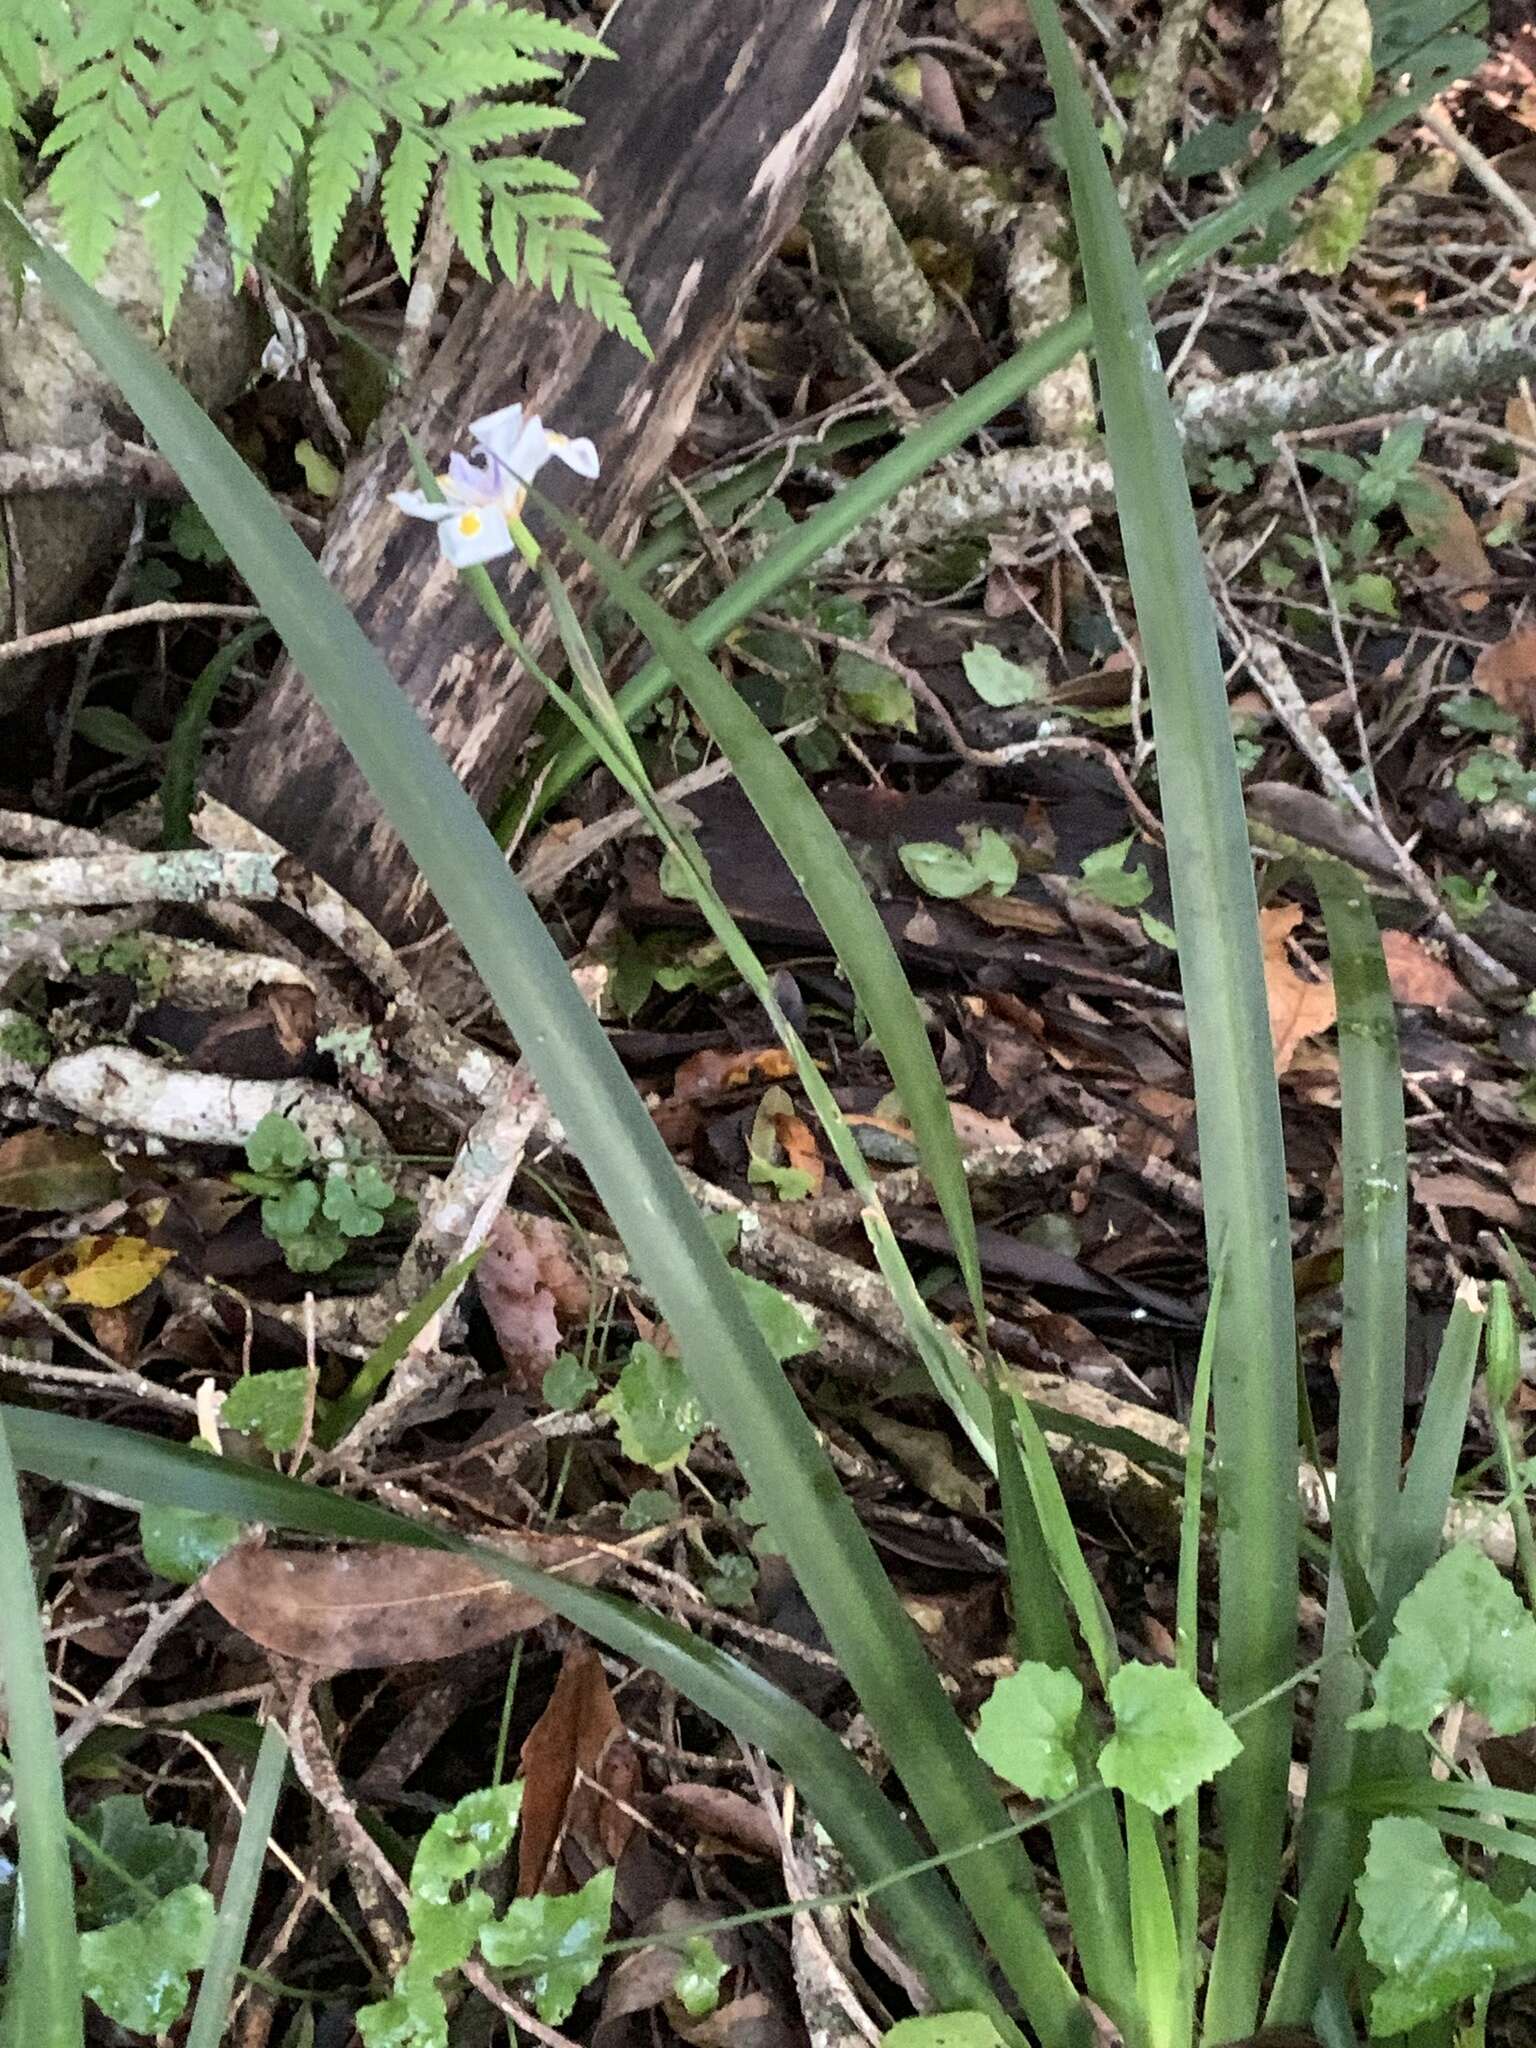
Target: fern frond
point(338, 158)
point(403, 193)
point(524, 29)
point(568, 258)
point(479, 127)
point(179, 158)
point(173, 104)
point(464, 209)
point(277, 111)
point(100, 169)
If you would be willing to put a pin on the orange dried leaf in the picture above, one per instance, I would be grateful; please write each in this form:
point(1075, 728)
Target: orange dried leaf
point(1507, 672)
point(711, 1073)
point(798, 1142)
point(1298, 1008)
point(1416, 975)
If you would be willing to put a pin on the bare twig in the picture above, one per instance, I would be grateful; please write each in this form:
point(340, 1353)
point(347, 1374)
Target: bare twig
point(132, 1668)
point(161, 613)
point(1493, 182)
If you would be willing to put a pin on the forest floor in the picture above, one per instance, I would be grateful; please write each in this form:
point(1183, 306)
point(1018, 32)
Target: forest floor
point(970, 708)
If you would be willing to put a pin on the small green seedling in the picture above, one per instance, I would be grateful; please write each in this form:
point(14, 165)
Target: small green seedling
point(983, 864)
point(1107, 879)
point(313, 1208)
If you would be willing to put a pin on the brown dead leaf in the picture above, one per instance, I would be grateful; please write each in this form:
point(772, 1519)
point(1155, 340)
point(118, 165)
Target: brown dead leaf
point(1416, 975)
point(1298, 1008)
point(1156, 1132)
point(926, 1457)
point(1520, 420)
point(527, 1282)
point(1522, 1176)
point(940, 99)
point(1506, 671)
point(1451, 537)
point(47, 1169)
point(998, 21)
point(1017, 914)
point(704, 1074)
point(755, 2020)
point(978, 1133)
point(1463, 1191)
point(725, 1818)
point(577, 1763)
point(377, 1604)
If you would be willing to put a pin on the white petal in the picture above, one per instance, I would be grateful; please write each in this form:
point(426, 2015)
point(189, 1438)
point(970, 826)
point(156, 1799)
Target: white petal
point(530, 452)
point(474, 535)
point(578, 455)
point(498, 431)
point(417, 505)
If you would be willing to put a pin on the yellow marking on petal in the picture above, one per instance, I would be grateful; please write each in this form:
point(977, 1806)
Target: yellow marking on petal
point(469, 524)
point(557, 440)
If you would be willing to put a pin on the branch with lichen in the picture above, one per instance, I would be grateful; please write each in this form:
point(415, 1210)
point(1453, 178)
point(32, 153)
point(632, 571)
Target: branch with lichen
point(859, 246)
point(976, 494)
point(1031, 243)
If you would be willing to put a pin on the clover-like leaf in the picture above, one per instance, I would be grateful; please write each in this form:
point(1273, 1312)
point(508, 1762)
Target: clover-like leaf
point(473, 1833)
point(654, 1409)
point(1025, 1730)
point(290, 1213)
point(443, 1935)
point(415, 2016)
point(1106, 878)
point(939, 870)
point(355, 1200)
point(567, 1383)
point(1436, 1935)
point(137, 1970)
point(277, 1145)
point(316, 1249)
point(1463, 1633)
point(269, 1406)
point(556, 1942)
point(999, 681)
point(1168, 1738)
point(994, 860)
point(149, 1859)
point(180, 1544)
point(785, 1329)
point(699, 1976)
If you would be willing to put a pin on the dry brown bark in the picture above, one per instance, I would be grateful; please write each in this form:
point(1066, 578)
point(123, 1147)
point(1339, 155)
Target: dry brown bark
point(697, 148)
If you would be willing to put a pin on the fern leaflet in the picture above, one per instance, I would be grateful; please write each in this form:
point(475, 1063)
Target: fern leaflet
point(176, 106)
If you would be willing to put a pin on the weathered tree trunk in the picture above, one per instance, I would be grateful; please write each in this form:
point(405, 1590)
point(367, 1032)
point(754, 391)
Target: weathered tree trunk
point(697, 149)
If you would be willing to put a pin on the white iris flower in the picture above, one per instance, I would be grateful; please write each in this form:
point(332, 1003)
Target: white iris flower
point(479, 516)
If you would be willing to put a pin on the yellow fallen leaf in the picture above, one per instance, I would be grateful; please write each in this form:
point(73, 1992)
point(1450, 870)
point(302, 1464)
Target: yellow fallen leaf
point(112, 1270)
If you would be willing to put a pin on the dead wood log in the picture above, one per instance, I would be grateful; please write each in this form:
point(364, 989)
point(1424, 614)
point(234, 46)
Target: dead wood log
point(697, 148)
